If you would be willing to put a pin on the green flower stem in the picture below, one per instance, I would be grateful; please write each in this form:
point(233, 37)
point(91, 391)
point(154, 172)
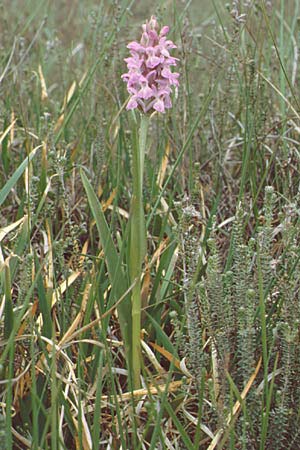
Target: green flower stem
point(137, 246)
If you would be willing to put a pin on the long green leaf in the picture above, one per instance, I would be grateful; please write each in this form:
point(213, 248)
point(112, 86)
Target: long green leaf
point(112, 258)
point(44, 303)
point(8, 309)
point(183, 434)
point(162, 336)
point(16, 175)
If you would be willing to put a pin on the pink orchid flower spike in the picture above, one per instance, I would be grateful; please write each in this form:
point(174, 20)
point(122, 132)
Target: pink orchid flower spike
point(149, 78)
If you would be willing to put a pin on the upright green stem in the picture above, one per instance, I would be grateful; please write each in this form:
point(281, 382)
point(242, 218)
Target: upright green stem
point(137, 246)
point(264, 338)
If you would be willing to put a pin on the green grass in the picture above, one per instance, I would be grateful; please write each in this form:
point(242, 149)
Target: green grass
point(219, 285)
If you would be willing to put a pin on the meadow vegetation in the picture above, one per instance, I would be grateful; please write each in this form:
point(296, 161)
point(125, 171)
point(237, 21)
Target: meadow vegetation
point(220, 285)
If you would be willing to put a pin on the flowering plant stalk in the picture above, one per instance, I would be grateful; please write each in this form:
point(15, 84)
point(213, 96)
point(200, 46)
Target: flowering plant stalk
point(137, 246)
point(149, 82)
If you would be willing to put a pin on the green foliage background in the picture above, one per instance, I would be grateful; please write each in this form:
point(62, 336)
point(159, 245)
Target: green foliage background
point(220, 286)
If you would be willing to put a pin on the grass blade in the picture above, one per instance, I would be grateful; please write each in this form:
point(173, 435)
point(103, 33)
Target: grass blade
point(16, 175)
point(9, 313)
point(113, 262)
